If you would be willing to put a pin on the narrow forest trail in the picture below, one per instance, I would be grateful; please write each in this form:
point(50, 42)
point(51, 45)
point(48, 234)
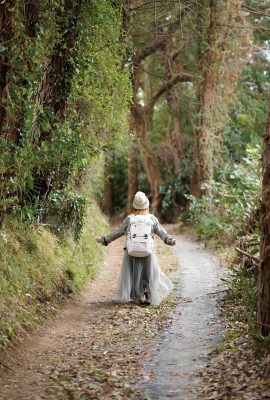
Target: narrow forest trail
point(95, 349)
point(194, 327)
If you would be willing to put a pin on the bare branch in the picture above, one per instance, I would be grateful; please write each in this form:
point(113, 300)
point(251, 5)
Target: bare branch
point(173, 27)
point(152, 4)
point(151, 73)
point(263, 12)
point(244, 253)
point(183, 77)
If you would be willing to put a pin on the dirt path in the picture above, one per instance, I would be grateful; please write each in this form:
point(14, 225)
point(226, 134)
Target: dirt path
point(95, 349)
point(32, 369)
point(194, 327)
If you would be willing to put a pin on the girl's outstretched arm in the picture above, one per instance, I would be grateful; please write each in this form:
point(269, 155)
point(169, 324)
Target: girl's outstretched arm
point(161, 232)
point(115, 234)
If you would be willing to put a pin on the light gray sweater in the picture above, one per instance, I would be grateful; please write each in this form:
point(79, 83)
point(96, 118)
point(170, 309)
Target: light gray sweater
point(123, 229)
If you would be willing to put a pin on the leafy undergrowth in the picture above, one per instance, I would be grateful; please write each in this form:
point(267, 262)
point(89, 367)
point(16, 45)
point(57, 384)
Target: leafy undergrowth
point(38, 269)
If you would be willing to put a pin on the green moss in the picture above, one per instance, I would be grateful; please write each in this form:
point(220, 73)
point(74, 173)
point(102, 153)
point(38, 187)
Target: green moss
point(39, 268)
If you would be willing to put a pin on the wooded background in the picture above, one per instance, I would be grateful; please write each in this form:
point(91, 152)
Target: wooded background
point(102, 98)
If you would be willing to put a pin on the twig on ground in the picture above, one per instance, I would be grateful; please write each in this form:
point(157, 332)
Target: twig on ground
point(5, 366)
point(206, 294)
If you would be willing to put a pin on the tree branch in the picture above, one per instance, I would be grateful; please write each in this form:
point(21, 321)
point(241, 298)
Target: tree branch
point(261, 11)
point(159, 44)
point(183, 77)
point(244, 253)
point(152, 5)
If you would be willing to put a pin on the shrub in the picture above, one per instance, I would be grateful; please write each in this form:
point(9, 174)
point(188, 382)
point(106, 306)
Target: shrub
point(234, 205)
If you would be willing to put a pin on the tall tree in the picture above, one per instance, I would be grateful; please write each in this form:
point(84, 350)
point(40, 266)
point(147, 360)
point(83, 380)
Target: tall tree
point(141, 114)
point(29, 10)
point(108, 205)
point(219, 59)
point(55, 88)
point(142, 117)
point(263, 292)
point(203, 143)
point(6, 34)
point(56, 82)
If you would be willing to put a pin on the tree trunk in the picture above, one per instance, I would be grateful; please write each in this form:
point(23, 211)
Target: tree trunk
point(263, 293)
point(220, 53)
point(108, 187)
point(132, 162)
point(56, 81)
point(203, 143)
point(6, 33)
point(177, 139)
point(197, 179)
point(30, 12)
point(142, 115)
point(133, 185)
point(55, 88)
point(150, 162)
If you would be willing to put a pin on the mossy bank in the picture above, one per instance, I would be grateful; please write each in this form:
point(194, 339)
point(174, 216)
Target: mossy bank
point(38, 269)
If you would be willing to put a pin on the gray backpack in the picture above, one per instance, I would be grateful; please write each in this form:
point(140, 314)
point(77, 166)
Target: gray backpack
point(140, 242)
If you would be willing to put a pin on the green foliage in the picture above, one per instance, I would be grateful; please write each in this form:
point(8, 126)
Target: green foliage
point(101, 86)
point(47, 241)
point(247, 117)
point(99, 92)
point(70, 210)
point(243, 288)
point(175, 183)
point(240, 305)
point(235, 199)
point(38, 267)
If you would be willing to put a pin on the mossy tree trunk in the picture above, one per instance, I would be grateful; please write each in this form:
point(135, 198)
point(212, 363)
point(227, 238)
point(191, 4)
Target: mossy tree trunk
point(55, 88)
point(29, 10)
point(56, 82)
point(133, 161)
point(141, 120)
point(108, 204)
point(223, 48)
point(177, 138)
point(263, 293)
point(143, 117)
point(204, 141)
point(6, 34)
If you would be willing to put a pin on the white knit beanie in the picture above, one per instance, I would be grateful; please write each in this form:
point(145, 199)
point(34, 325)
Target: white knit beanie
point(140, 201)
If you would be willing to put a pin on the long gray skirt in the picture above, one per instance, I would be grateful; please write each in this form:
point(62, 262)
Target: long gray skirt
point(140, 274)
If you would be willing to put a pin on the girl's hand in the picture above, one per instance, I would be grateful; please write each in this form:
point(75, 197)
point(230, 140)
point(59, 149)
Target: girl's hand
point(99, 240)
point(171, 241)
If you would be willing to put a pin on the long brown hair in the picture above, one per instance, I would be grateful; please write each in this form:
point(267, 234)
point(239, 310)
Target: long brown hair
point(141, 212)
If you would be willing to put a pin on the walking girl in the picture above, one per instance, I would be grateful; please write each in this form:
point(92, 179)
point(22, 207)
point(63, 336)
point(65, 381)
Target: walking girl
point(141, 278)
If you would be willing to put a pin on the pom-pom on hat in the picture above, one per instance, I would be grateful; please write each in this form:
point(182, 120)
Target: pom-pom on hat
point(140, 201)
